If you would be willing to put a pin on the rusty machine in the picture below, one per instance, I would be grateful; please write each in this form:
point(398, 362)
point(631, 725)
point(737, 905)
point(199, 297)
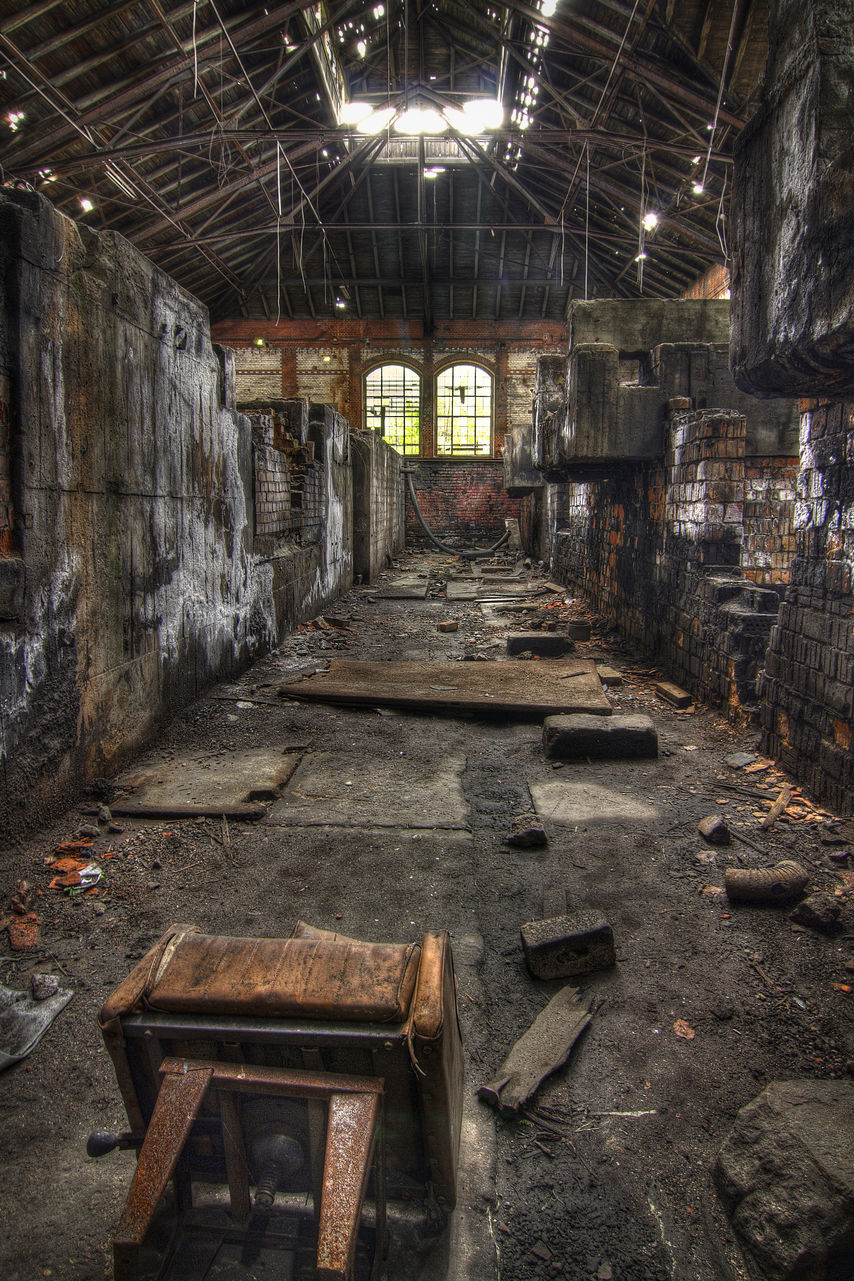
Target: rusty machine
point(295, 1095)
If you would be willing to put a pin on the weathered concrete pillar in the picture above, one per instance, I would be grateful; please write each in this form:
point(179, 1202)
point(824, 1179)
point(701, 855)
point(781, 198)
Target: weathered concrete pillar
point(793, 211)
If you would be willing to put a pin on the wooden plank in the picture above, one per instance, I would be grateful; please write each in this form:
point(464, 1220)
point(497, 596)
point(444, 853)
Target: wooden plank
point(542, 1050)
point(777, 808)
point(529, 690)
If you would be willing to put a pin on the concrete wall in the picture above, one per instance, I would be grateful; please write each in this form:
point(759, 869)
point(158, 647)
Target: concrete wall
point(792, 211)
point(133, 570)
point(379, 529)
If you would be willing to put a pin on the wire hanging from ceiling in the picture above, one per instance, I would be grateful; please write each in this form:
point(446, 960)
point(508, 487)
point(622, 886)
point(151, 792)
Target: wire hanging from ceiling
point(587, 221)
point(714, 128)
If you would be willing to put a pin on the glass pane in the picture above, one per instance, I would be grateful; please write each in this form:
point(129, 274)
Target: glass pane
point(393, 406)
point(464, 410)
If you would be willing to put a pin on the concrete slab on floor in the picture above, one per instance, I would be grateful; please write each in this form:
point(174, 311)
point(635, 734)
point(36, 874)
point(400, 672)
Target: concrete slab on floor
point(220, 778)
point(529, 690)
point(573, 801)
point(344, 789)
point(403, 589)
point(475, 588)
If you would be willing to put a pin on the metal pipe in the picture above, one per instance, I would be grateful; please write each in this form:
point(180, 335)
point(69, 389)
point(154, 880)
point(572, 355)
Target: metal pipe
point(467, 553)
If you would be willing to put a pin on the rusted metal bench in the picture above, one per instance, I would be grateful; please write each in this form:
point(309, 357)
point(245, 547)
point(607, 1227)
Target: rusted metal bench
point(286, 1086)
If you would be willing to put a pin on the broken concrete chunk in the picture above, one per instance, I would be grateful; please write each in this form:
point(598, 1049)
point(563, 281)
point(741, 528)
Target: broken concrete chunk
point(778, 884)
point(527, 834)
point(579, 630)
point(672, 694)
point(578, 735)
point(786, 1176)
point(450, 626)
point(820, 912)
point(543, 644)
point(577, 943)
point(609, 675)
point(713, 829)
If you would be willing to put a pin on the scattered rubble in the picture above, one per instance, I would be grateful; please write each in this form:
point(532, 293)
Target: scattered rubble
point(542, 1050)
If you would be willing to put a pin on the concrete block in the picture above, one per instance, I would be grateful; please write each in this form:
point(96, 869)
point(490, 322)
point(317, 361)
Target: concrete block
point(578, 735)
point(565, 945)
point(544, 644)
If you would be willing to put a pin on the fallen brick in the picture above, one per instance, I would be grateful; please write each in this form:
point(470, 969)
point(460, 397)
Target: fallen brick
point(672, 694)
point(450, 626)
point(579, 735)
point(565, 945)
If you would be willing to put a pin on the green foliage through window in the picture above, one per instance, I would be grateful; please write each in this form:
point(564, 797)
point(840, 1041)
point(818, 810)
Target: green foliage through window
point(464, 410)
point(393, 406)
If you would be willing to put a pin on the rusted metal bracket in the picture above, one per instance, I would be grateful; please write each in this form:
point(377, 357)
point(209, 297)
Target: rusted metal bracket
point(353, 1139)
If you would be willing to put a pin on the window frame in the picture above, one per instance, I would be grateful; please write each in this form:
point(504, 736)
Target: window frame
point(411, 369)
point(481, 368)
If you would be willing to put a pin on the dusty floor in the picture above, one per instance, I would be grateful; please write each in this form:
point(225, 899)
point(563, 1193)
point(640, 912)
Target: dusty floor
point(612, 1177)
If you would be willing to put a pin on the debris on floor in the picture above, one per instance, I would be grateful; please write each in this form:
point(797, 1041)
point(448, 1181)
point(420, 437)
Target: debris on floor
point(713, 829)
point(25, 1019)
point(563, 946)
point(780, 884)
point(540, 1051)
point(527, 833)
point(786, 1176)
point(534, 689)
point(673, 694)
point(578, 736)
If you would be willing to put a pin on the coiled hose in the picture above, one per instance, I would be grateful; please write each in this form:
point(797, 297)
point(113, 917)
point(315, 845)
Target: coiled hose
point(472, 553)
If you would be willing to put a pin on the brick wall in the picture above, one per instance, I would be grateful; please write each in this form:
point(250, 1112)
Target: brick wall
point(808, 682)
point(462, 499)
point(326, 361)
point(769, 534)
point(660, 550)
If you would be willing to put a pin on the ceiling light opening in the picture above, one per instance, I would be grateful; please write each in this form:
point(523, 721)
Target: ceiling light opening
point(698, 188)
point(351, 113)
point(14, 120)
point(650, 220)
point(420, 120)
point(86, 204)
point(361, 48)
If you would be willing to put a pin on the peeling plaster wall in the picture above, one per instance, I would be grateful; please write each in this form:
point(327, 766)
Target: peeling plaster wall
point(132, 580)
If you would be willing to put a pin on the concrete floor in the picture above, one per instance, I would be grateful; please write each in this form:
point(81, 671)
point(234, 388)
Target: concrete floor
point(393, 823)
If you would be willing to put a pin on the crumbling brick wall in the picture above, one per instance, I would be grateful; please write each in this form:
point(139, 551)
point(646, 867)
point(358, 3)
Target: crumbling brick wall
point(808, 681)
point(460, 499)
point(661, 550)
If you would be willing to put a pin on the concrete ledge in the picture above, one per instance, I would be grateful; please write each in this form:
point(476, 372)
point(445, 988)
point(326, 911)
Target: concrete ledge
point(577, 736)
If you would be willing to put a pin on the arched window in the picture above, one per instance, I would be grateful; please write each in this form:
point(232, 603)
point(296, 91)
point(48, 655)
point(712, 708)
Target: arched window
point(393, 406)
point(464, 410)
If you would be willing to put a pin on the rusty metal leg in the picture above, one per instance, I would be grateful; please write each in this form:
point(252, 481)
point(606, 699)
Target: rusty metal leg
point(381, 1234)
point(236, 1167)
point(350, 1137)
point(176, 1109)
